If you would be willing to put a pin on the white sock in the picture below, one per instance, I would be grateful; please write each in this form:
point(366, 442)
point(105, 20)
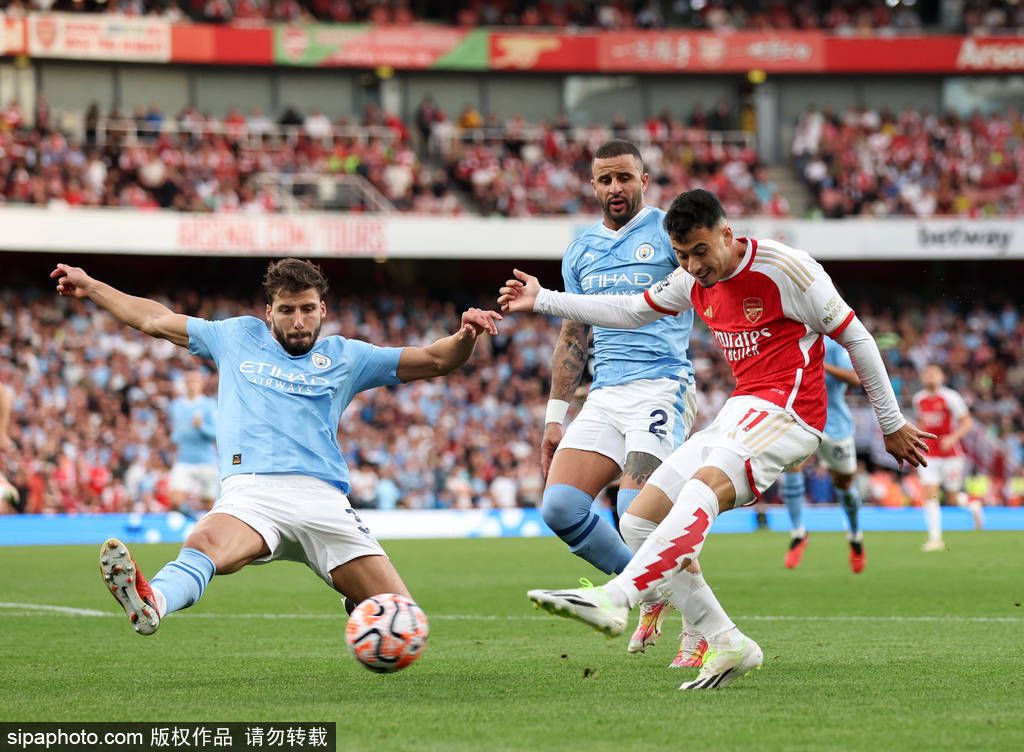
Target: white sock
point(678, 539)
point(933, 519)
point(161, 602)
point(798, 532)
point(702, 613)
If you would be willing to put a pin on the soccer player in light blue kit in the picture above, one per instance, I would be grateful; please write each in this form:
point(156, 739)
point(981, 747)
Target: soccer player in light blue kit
point(642, 402)
point(194, 433)
point(281, 395)
point(838, 453)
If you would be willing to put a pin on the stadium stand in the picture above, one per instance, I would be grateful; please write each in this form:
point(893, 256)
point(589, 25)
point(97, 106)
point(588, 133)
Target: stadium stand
point(91, 430)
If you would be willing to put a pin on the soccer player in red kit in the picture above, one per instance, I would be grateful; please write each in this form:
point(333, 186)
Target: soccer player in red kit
point(768, 307)
point(943, 412)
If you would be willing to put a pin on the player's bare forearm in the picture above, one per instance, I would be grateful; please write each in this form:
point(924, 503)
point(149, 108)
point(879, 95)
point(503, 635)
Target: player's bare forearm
point(448, 353)
point(569, 359)
point(846, 375)
point(148, 316)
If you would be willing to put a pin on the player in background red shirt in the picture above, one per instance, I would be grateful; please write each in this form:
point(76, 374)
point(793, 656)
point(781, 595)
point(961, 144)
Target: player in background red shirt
point(943, 412)
point(768, 307)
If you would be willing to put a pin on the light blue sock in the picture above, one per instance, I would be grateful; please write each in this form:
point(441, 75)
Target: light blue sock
point(624, 499)
point(184, 580)
point(567, 511)
point(850, 499)
point(793, 495)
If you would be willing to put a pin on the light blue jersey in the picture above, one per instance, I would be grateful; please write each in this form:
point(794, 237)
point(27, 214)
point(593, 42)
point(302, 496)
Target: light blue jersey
point(839, 424)
point(196, 446)
point(626, 262)
point(279, 413)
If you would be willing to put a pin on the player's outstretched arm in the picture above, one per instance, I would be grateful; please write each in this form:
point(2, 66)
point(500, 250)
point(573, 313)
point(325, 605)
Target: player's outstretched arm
point(448, 353)
point(148, 316)
point(903, 440)
point(524, 293)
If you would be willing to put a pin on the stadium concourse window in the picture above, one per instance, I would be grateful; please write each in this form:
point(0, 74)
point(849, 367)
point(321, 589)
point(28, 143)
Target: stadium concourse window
point(90, 427)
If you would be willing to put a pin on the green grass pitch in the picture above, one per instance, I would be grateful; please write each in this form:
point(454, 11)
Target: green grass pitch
point(922, 651)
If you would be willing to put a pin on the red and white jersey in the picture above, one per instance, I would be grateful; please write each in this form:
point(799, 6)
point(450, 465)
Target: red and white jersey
point(768, 317)
point(939, 412)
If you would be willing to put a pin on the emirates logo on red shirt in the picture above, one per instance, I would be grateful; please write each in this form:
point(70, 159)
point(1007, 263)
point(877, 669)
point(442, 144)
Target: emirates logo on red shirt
point(753, 309)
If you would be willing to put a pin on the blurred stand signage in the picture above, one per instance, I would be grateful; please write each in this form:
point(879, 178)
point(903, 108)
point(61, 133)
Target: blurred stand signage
point(659, 51)
point(99, 37)
point(114, 37)
point(367, 46)
point(427, 237)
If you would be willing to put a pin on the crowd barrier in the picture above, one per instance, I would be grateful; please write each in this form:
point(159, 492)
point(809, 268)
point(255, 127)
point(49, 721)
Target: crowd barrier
point(61, 529)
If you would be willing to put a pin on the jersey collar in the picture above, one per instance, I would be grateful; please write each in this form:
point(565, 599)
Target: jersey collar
point(644, 211)
point(747, 260)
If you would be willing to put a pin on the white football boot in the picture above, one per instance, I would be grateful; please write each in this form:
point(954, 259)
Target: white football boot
point(125, 582)
point(590, 605)
point(648, 628)
point(730, 655)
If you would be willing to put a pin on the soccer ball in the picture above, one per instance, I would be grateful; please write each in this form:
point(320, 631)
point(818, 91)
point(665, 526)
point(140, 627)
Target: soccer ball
point(387, 632)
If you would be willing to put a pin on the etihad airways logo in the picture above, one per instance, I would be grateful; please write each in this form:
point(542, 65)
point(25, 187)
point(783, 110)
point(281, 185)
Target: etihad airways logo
point(604, 281)
point(269, 375)
point(740, 345)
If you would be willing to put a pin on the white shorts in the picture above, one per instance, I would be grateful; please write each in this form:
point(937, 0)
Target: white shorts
point(947, 472)
point(839, 455)
point(301, 518)
point(652, 416)
point(201, 480)
point(765, 438)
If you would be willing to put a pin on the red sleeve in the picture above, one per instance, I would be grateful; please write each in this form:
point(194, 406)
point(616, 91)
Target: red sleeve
point(834, 334)
point(656, 307)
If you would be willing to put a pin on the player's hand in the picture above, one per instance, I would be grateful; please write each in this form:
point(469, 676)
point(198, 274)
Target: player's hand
point(519, 294)
point(476, 321)
point(553, 433)
point(72, 282)
point(907, 445)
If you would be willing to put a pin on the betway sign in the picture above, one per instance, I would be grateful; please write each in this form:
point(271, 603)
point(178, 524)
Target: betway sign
point(409, 236)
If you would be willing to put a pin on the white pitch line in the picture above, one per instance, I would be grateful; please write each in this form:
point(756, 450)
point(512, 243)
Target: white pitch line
point(37, 609)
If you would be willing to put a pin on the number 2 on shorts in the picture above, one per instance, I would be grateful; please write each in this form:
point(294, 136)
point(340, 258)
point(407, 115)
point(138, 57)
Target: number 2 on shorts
point(656, 426)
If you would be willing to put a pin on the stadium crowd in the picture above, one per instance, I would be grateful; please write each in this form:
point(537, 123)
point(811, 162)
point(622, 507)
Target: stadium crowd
point(846, 17)
point(90, 431)
point(864, 162)
point(860, 162)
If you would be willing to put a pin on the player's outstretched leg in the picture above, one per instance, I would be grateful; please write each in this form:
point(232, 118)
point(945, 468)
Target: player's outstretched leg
point(793, 487)
point(590, 605)
point(567, 511)
point(634, 531)
point(730, 656)
point(125, 582)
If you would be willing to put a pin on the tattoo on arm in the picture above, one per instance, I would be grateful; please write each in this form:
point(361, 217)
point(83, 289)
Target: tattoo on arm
point(639, 466)
point(569, 359)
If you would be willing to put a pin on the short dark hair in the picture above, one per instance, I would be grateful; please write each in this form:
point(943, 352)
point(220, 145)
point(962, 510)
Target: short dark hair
point(618, 147)
point(293, 275)
point(692, 209)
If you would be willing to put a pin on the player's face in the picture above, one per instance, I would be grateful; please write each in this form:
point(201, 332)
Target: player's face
point(706, 253)
point(932, 377)
point(295, 319)
point(619, 186)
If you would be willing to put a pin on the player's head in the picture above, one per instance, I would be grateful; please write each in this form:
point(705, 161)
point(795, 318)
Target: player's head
point(619, 181)
point(932, 376)
point(194, 384)
point(295, 303)
point(701, 237)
